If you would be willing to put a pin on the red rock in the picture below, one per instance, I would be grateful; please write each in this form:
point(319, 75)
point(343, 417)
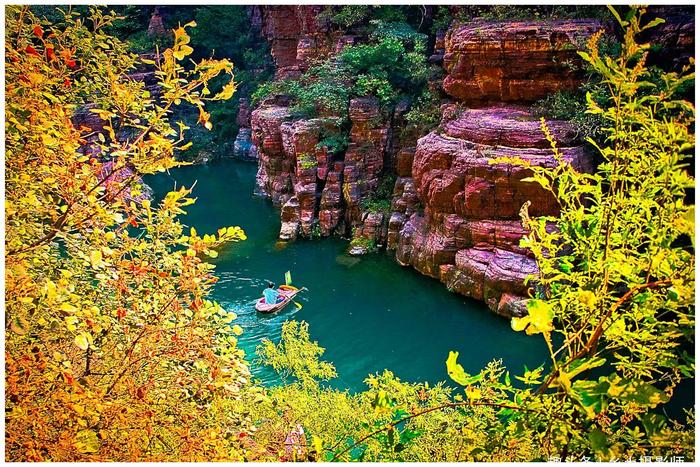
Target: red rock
point(514, 61)
point(274, 176)
point(364, 158)
point(330, 211)
point(512, 126)
point(424, 248)
point(155, 25)
point(512, 306)
point(495, 276)
point(243, 116)
point(294, 35)
point(458, 176)
point(405, 162)
point(374, 227)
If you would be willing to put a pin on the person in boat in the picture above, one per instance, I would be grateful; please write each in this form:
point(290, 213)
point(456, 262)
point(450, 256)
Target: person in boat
point(271, 295)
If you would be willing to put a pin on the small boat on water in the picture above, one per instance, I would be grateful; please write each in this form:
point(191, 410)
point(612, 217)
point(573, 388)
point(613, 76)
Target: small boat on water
point(287, 292)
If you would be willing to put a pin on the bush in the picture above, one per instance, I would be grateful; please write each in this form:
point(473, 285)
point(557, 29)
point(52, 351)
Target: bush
point(376, 205)
point(391, 65)
point(424, 115)
point(366, 244)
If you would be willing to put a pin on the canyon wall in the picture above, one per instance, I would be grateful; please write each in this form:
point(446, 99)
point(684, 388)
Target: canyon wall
point(468, 231)
point(455, 208)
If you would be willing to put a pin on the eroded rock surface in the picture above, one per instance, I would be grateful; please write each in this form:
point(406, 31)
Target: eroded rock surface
point(514, 61)
point(469, 231)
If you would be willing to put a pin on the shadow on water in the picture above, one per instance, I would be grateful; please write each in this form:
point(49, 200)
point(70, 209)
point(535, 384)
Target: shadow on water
point(368, 313)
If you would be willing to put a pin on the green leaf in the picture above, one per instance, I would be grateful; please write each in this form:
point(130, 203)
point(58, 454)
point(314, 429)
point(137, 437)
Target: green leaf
point(653, 23)
point(381, 400)
point(598, 440)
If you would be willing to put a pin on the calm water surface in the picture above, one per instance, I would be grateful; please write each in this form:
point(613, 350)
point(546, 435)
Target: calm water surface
point(369, 313)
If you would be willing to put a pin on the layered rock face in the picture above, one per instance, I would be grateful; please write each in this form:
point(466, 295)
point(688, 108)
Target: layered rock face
point(514, 61)
point(468, 235)
point(313, 185)
point(673, 39)
point(364, 158)
point(455, 212)
point(296, 37)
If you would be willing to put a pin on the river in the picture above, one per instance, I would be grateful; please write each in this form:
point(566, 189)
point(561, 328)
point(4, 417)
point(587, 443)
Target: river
point(369, 313)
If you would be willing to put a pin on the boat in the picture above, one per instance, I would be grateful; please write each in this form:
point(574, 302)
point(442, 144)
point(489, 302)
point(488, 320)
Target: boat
point(286, 291)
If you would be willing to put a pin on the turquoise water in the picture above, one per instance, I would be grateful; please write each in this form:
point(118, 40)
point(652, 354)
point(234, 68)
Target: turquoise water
point(369, 314)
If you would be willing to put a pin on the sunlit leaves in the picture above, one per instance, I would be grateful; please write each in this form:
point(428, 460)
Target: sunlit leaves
point(106, 312)
point(538, 320)
point(83, 340)
point(296, 355)
point(457, 373)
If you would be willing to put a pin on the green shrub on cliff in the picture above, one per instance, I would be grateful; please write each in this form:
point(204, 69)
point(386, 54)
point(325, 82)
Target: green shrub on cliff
point(391, 65)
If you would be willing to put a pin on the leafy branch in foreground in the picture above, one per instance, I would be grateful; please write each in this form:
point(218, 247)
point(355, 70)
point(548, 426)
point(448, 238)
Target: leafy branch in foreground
point(113, 350)
point(616, 274)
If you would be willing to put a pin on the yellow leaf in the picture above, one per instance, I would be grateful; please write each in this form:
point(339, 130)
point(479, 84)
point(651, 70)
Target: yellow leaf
point(83, 340)
point(96, 259)
point(519, 324)
point(588, 298)
point(317, 443)
point(68, 308)
point(455, 370)
point(237, 330)
point(86, 441)
point(473, 393)
point(541, 315)
point(182, 52)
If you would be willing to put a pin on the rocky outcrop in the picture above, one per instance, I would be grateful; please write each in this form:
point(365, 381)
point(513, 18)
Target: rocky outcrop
point(296, 37)
point(364, 158)
point(243, 147)
point(514, 61)
point(673, 41)
point(155, 24)
point(274, 170)
point(468, 234)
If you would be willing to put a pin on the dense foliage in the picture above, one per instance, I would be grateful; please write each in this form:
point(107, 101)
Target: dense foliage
point(616, 279)
point(392, 65)
point(223, 32)
point(114, 351)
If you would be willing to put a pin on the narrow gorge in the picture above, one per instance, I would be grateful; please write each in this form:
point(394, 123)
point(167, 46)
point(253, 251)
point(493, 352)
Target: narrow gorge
point(453, 214)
